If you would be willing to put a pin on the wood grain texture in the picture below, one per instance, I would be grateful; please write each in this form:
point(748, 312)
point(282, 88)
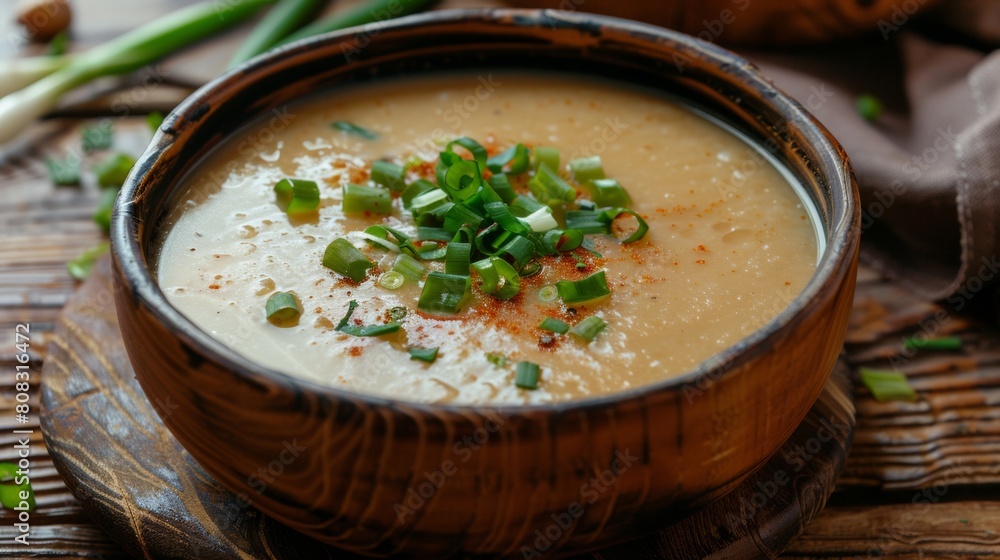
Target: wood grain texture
point(148, 493)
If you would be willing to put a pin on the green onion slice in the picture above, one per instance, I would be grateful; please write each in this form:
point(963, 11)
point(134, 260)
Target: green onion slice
point(526, 376)
point(415, 189)
point(541, 220)
point(517, 251)
point(590, 288)
point(64, 172)
point(345, 259)
point(546, 155)
point(586, 169)
point(549, 188)
point(501, 185)
point(362, 198)
point(346, 327)
point(427, 201)
point(642, 227)
point(548, 293)
point(530, 269)
point(80, 267)
point(444, 293)
point(460, 215)
point(500, 213)
point(587, 221)
point(887, 385)
point(475, 148)
point(298, 196)
point(607, 192)
point(351, 128)
point(423, 354)
point(282, 307)
point(389, 175)
point(105, 205)
point(462, 180)
point(499, 278)
point(517, 157)
point(425, 233)
point(409, 267)
point(456, 259)
point(941, 343)
point(98, 137)
point(588, 328)
point(391, 280)
point(398, 313)
point(380, 236)
point(113, 170)
point(526, 204)
point(554, 325)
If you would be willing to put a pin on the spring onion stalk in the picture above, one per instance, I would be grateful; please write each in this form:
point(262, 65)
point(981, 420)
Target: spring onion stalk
point(554, 325)
point(19, 73)
point(113, 170)
point(526, 375)
point(409, 267)
point(549, 188)
point(282, 20)
point(298, 196)
point(132, 50)
point(361, 198)
point(941, 343)
point(444, 293)
point(10, 494)
point(887, 385)
point(547, 155)
point(345, 259)
point(345, 326)
point(590, 288)
point(423, 354)
point(80, 267)
point(391, 280)
point(587, 329)
point(586, 169)
point(369, 12)
point(608, 192)
point(282, 307)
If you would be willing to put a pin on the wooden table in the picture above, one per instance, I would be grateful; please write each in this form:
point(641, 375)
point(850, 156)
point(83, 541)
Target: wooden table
point(921, 480)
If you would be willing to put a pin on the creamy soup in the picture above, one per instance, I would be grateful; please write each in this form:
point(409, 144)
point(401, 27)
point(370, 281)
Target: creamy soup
point(730, 242)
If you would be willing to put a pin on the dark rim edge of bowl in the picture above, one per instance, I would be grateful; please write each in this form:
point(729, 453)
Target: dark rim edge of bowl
point(842, 234)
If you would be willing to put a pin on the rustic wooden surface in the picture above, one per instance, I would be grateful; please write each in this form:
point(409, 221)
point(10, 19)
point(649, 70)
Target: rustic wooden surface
point(921, 480)
point(147, 492)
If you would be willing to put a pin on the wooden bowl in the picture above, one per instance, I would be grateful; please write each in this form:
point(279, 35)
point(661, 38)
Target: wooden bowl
point(379, 476)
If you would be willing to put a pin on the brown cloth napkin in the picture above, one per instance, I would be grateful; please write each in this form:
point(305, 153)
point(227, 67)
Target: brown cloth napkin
point(929, 167)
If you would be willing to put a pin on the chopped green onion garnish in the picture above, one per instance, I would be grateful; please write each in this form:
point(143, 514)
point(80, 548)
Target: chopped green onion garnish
point(541, 220)
point(530, 269)
point(517, 251)
point(378, 235)
point(102, 216)
point(887, 385)
point(432, 251)
point(549, 188)
point(554, 325)
point(526, 204)
point(415, 189)
point(81, 266)
point(501, 185)
point(297, 196)
point(429, 200)
point(641, 226)
point(592, 287)
point(389, 175)
point(548, 293)
point(345, 259)
point(517, 157)
point(98, 137)
point(409, 267)
point(587, 221)
point(154, 120)
point(444, 293)
point(546, 155)
point(391, 280)
point(462, 180)
point(499, 278)
point(869, 107)
point(345, 327)
point(607, 192)
point(362, 198)
point(457, 258)
point(475, 148)
point(942, 343)
point(397, 313)
point(425, 233)
point(460, 215)
point(563, 240)
point(500, 213)
point(424, 354)
point(114, 169)
point(526, 376)
point(10, 494)
point(499, 360)
point(282, 307)
point(64, 172)
point(586, 169)
point(354, 129)
point(588, 328)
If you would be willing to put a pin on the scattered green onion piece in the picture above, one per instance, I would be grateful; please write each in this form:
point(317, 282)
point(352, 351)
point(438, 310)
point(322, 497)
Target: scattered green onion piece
point(642, 227)
point(585, 204)
point(398, 313)
point(526, 203)
point(588, 328)
point(554, 325)
point(869, 107)
point(64, 172)
point(105, 204)
point(887, 385)
point(444, 162)
point(282, 19)
point(298, 196)
point(409, 267)
point(587, 221)
point(423, 354)
point(517, 251)
point(444, 293)
point(489, 240)
point(488, 275)
point(456, 258)
point(460, 215)
point(80, 267)
point(113, 170)
point(569, 239)
point(517, 156)
point(403, 240)
point(415, 189)
point(942, 343)
point(351, 128)
point(378, 235)
point(99, 136)
point(526, 376)
point(498, 360)
point(154, 120)
point(345, 327)
point(475, 148)
point(389, 175)
point(391, 280)
point(425, 233)
point(345, 259)
point(511, 284)
point(427, 201)
point(607, 192)
point(501, 185)
point(465, 234)
point(548, 293)
point(546, 155)
point(586, 169)
point(10, 494)
point(549, 188)
point(431, 251)
point(541, 220)
point(362, 198)
point(532, 268)
point(592, 287)
point(463, 180)
point(500, 213)
point(282, 307)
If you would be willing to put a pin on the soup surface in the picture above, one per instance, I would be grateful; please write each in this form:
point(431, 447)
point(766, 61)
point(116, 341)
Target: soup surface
point(729, 245)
